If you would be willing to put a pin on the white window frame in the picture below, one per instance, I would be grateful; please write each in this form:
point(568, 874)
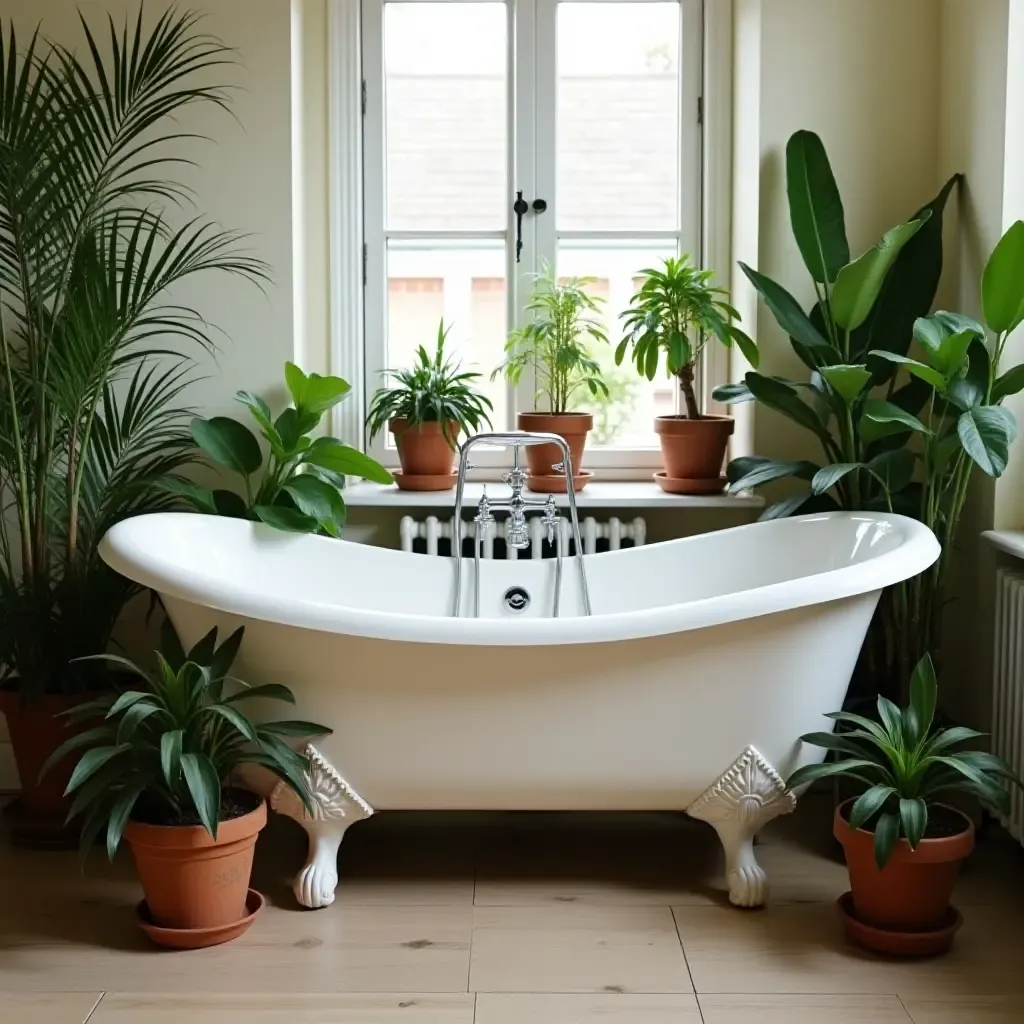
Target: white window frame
point(358, 248)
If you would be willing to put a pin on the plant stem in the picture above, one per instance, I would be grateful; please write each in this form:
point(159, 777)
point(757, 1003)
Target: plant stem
point(686, 375)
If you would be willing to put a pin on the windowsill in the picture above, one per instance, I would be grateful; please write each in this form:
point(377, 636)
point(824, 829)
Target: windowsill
point(1010, 542)
point(599, 494)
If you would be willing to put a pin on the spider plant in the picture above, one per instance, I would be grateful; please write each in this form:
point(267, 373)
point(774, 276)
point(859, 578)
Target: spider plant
point(94, 352)
point(905, 765)
point(434, 390)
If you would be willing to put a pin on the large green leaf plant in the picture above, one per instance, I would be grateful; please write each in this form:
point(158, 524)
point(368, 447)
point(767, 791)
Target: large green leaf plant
point(900, 428)
point(299, 487)
point(96, 347)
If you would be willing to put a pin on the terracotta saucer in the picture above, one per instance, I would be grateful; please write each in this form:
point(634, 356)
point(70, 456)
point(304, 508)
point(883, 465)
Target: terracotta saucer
point(199, 938)
point(555, 482)
point(681, 485)
point(892, 943)
point(442, 482)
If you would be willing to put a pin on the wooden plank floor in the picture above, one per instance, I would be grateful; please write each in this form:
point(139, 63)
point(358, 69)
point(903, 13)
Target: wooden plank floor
point(511, 919)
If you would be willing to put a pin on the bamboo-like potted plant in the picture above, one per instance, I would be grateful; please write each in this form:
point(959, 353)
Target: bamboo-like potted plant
point(91, 412)
point(677, 311)
point(299, 489)
point(427, 407)
point(158, 771)
point(555, 346)
point(903, 846)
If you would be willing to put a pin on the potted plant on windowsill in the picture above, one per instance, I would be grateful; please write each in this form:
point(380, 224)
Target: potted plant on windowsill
point(91, 413)
point(158, 771)
point(677, 311)
point(300, 488)
point(903, 848)
point(426, 409)
point(554, 347)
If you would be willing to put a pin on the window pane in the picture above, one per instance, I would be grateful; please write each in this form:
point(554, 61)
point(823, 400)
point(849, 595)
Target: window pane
point(445, 114)
point(618, 116)
point(465, 284)
point(626, 418)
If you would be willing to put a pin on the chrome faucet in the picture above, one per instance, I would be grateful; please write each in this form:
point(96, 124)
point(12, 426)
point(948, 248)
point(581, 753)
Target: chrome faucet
point(516, 534)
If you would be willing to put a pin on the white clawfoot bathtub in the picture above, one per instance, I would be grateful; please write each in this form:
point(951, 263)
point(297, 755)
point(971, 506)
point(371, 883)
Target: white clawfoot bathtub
point(704, 660)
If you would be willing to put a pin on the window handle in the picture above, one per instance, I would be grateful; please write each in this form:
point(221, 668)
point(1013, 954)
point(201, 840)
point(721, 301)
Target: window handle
point(519, 208)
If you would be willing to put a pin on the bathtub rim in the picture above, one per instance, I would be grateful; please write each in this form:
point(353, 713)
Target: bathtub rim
point(123, 550)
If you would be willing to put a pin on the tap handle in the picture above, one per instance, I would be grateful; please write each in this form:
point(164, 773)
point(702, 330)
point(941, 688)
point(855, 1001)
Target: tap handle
point(550, 518)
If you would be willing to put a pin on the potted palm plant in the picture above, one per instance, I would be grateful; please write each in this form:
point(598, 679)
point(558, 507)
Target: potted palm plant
point(556, 348)
point(91, 413)
point(426, 409)
point(903, 846)
point(299, 489)
point(677, 311)
point(157, 771)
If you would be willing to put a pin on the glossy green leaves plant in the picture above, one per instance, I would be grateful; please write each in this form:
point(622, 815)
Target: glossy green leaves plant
point(556, 345)
point(676, 311)
point(169, 747)
point(299, 488)
point(906, 765)
point(434, 390)
point(897, 431)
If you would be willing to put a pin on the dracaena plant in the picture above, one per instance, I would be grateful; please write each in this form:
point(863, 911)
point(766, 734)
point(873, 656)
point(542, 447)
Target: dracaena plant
point(677, 311)
point(167, 750)
point(906, 766)
point(92, 415)
point(556, 344)
point(299, 487)
point(866, 414)
point(435, 390)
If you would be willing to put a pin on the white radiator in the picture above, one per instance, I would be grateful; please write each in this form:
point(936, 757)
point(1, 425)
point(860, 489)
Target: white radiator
point(432, 530)
point(1008, 699)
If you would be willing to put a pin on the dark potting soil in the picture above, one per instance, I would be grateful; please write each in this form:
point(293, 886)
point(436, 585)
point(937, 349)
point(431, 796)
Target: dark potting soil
point(943, 822)
point(233, 804)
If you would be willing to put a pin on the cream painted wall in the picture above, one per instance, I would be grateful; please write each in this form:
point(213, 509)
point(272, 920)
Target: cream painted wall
point(243, 181)
point(975, 120)
point(864, 76)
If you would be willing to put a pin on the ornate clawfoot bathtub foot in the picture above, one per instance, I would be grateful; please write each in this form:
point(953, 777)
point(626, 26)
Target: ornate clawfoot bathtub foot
point(738, 805)
point(337, 806)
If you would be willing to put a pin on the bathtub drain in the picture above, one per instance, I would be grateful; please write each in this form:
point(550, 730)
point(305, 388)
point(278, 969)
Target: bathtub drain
point(517, 599)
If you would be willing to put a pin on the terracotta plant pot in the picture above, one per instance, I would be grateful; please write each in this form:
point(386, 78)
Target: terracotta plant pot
point(36, 729)
point(912, 892)
point(425, 450)
point(694, 449)
point(192, 881)
point(574, 427)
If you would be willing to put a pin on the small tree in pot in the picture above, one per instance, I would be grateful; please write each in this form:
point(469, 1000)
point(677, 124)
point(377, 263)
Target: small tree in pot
point(677, 311)
point(158, 771)
point(426, 410)
point(904, 848)
point(554, 346)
